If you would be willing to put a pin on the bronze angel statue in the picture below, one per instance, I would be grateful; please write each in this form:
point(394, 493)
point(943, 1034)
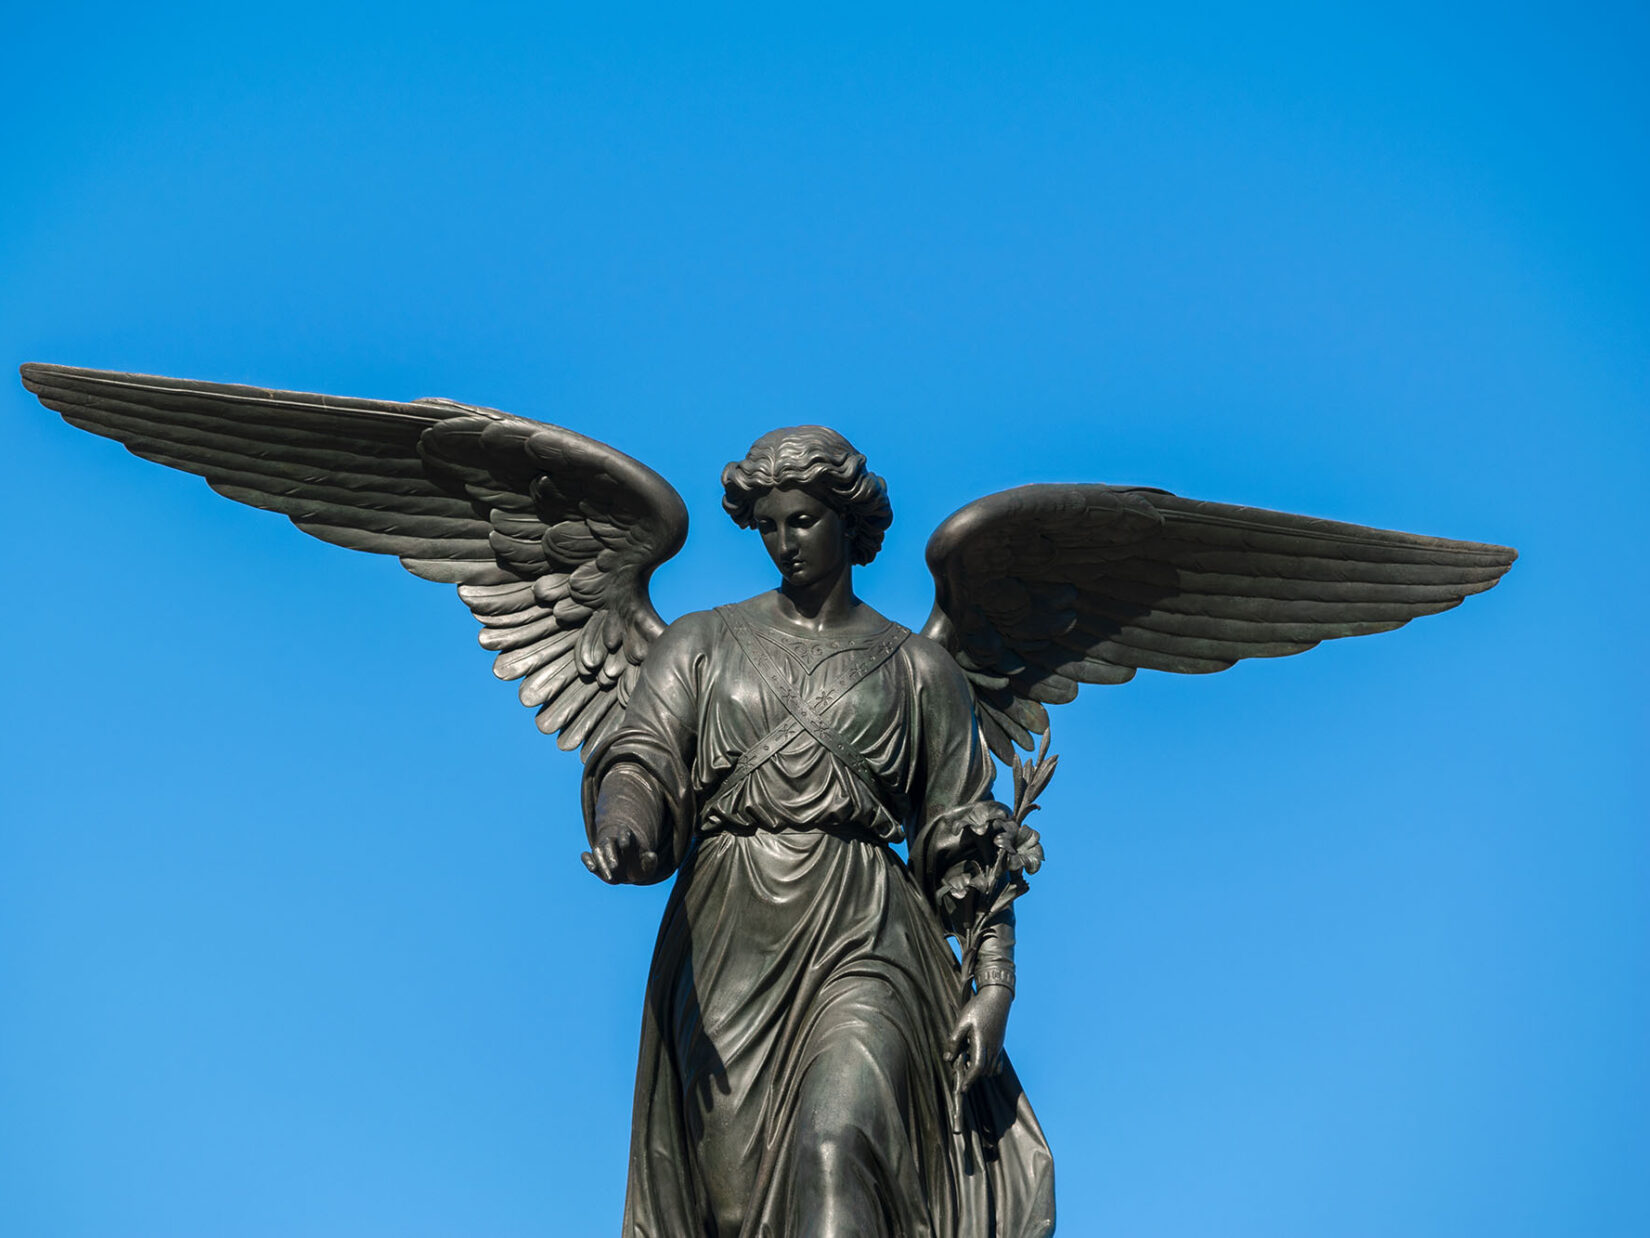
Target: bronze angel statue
point(815, 1059)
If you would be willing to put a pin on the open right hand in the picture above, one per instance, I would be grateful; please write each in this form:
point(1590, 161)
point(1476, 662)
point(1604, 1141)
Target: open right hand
point(620, 855)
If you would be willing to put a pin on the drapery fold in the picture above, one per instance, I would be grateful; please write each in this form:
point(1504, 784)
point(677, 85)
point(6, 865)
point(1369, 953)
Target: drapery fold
point(790, 1078)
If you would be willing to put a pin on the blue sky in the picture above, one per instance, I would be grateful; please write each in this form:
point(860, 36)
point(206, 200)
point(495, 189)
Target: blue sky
point(294, 938)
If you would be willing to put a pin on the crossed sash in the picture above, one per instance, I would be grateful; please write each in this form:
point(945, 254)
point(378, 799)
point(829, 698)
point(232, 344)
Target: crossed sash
point(807, 713)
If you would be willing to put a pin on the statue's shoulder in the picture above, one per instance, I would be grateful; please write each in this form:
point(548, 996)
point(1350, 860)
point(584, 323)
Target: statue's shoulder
point(930, 661)
point(696, 621)
point(693, 632)
point(713, 624)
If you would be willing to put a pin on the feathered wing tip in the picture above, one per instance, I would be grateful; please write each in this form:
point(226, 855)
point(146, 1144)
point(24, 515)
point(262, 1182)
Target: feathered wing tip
point(1043, 588)
point(551, 537)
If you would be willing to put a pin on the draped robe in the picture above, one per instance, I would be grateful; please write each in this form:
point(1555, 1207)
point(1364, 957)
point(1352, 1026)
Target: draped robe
point(790, 1079)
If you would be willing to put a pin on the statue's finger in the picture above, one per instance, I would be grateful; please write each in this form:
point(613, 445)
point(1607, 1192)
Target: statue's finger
point(649, 864)
point(976, 1057)
point(589, 862)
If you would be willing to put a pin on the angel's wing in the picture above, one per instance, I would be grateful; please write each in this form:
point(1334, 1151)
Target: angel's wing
point(1041, 588)
point(551, 537)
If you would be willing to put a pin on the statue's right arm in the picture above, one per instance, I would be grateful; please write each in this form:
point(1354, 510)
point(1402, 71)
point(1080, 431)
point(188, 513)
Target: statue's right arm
point(638, 794)
point(629, 826)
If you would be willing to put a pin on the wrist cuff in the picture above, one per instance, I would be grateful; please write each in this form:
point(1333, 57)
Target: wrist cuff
point(995, 973)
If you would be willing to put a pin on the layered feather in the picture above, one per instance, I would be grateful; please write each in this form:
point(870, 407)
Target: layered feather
point(1042, 588)
point(551, 537)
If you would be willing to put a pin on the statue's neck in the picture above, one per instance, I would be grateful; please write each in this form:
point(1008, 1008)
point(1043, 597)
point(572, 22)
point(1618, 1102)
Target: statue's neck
point(820, 606)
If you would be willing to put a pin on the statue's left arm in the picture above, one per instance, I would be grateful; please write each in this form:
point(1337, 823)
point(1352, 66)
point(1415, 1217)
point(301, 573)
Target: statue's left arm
point(954, 784)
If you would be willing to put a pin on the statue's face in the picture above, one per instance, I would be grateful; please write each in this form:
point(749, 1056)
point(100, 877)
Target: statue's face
point(804, 537)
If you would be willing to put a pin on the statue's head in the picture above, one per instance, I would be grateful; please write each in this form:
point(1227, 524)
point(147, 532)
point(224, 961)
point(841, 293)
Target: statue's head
point(820, 462)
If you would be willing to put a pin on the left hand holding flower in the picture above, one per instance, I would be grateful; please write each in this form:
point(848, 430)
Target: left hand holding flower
point(975, 1045)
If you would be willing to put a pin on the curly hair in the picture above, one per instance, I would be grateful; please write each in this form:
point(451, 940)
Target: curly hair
point(823, 463)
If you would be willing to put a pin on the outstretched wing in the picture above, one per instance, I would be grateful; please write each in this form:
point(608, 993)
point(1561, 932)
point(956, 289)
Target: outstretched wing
point(551, 537)
point(1041, 588)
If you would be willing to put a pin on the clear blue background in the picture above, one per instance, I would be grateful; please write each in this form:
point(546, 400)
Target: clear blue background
point(294, 938)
